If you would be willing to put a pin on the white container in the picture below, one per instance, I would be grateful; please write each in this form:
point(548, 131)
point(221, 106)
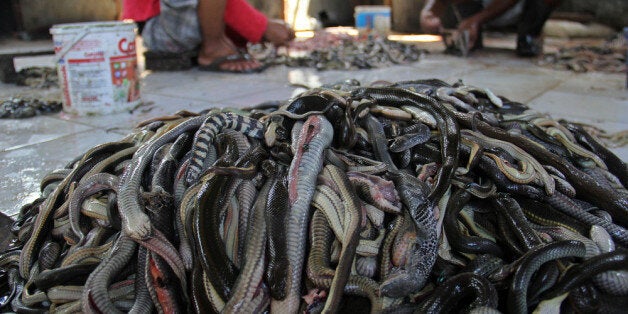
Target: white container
point(97, 66)
point(372, 17)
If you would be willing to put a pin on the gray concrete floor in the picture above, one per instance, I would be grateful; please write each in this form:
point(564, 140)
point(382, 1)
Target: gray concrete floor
point(30, 148)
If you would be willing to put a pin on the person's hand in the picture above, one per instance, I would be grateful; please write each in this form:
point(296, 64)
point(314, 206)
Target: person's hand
point(472, 25)
point(278, 32)
point(430, 23)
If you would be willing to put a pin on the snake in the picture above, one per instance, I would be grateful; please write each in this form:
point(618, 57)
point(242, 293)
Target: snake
point(531, 261)
point(294, 206)
point(316, 134)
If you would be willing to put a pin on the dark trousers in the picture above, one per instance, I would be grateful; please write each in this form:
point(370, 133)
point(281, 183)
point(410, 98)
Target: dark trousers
point(534, 15)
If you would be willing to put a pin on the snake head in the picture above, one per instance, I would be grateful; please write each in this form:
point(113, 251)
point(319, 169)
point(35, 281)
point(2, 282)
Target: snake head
point(400, 284)
point(315, 300)
point(277, 277)
point(137, 227)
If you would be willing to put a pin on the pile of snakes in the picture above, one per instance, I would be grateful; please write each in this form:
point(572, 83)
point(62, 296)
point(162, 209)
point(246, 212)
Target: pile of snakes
point(608, 57)
point(25, 107)
point(38, 77)
point(327, 51)
point(409, 197)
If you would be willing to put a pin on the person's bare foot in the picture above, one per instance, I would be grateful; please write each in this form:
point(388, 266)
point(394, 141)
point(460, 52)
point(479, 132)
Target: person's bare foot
point(212, 50)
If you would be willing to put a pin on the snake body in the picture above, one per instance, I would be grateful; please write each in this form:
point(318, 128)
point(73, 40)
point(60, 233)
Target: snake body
point(213, 125)
point(414, 196)
point(135, 222)
point(343, 198)
point(531, 261)
point(316, 134)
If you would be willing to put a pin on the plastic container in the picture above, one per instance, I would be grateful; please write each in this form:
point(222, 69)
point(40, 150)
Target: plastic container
point(372, 17)
point(97, 66)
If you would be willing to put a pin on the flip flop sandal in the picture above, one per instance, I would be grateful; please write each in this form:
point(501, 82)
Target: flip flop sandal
point(216, 65)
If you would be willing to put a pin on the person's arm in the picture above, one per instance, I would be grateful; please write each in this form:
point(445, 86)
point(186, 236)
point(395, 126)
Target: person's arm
point(430, 16)
point(473, 23)
point(254, 26)
point(139, 10)
point(245, 20)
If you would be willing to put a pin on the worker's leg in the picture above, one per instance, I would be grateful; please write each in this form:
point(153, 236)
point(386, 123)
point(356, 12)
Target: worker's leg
point(215, 43)
point(535, 14)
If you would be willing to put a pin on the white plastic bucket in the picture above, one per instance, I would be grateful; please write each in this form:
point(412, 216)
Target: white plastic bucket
point(97, 66)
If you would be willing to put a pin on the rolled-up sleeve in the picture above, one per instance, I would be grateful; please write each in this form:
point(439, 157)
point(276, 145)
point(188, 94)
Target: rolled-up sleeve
point(247, 21)
point(140, 10)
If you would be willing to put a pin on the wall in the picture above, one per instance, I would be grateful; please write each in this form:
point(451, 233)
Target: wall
point(8, 24)
point(405, 15)
point(332, 12)
point(40, 15)
point(613, 13)
point(272, 8)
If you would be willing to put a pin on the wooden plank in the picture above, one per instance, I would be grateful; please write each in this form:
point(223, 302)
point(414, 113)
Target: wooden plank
point(405, 15)
point(11, 48)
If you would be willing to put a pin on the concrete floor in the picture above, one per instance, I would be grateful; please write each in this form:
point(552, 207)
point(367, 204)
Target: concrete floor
point(30, 148)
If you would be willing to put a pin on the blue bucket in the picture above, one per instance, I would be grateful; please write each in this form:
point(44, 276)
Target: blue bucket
point(372, 17)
